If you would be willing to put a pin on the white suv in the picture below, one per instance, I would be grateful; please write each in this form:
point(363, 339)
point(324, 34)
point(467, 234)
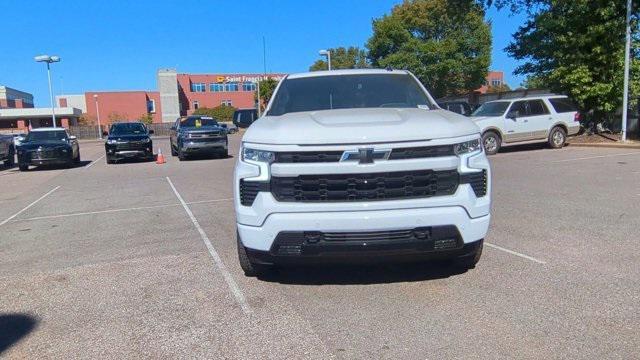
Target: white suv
point(354, 165)
point(533, 119)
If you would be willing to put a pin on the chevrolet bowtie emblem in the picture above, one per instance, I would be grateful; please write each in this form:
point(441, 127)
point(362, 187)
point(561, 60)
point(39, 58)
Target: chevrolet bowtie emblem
point(366, 155)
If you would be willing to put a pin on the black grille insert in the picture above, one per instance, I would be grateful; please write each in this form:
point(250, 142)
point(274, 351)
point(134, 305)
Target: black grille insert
point(365, 187)
point(250, 189)
point(477, 180)
point(334, 156)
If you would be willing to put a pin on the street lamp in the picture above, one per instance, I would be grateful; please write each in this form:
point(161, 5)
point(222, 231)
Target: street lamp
point(95, 98)
point(326, 53)
point(49, 59)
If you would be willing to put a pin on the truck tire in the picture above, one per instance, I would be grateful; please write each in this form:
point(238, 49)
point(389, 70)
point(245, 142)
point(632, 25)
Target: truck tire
point(23, 167)
point(181, 155)
point(173, 150)
point(491, 142)
point(469, 261)
point(77, 159)
point(250, 268)
point(557, 137)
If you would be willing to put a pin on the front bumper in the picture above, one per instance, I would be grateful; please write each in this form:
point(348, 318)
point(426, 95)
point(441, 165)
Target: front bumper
point(116, 152)
point(28, 159)
point(201, 146)
point(263, 237)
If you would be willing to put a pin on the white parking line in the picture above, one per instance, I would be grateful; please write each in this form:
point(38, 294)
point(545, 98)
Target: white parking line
point(113, 210)
point(93, 162)
point(233, 286)
point(514, 253)
point(30, 205)
point(597, 157)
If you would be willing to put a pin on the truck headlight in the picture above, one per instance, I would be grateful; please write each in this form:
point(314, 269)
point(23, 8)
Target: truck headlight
point(112, 141)
point(249, 154)
point(467, 147)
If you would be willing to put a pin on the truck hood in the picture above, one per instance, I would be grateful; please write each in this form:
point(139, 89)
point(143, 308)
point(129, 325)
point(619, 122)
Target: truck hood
point(358, 126)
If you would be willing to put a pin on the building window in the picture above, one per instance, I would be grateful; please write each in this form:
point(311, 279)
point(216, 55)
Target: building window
point(248, 86)
point(196, 105)
point(226, 103)
point(198, 87)
point(151, 106)
point(216, 87)
point(232, 86)
point(496, 82)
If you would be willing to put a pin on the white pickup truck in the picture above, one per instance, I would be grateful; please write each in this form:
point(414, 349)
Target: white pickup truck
point(359, 165)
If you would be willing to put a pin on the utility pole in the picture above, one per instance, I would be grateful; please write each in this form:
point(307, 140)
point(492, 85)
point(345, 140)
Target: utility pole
point(625, 95)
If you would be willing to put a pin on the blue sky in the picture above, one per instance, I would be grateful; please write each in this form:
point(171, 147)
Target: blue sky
point(119, 45)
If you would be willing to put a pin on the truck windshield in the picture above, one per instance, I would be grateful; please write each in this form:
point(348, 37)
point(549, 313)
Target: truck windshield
point(128, 129)
point(59, 135)
point(198, 122)
point(492, 109)
point(348, 92)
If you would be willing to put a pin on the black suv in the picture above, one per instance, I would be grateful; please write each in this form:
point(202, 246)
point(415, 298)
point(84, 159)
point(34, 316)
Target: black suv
point(128, 140)
point(198, 134)
point(243, 118)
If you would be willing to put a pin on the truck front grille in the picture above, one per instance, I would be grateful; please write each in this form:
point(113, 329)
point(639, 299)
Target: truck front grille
point(365, 187)
point(478, 182)
point(334, 156)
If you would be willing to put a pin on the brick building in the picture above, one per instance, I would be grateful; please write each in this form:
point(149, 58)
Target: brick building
point(177, 95)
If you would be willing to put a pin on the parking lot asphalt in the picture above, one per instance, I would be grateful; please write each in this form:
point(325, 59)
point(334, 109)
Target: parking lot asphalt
point(138, 260)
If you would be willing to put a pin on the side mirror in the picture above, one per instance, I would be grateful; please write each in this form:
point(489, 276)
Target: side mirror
point(151, 132)
point(104, 133)
point(513, 114)
point(73, 137)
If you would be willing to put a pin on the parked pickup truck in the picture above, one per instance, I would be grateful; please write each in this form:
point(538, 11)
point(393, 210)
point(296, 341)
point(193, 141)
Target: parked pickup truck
point(7, 150)
point(198, 134)
point(359, 165)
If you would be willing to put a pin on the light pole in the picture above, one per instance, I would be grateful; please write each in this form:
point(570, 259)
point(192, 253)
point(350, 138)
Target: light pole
point(49, 59)
point(625, 92)
point(326, 53)
point(95, 98)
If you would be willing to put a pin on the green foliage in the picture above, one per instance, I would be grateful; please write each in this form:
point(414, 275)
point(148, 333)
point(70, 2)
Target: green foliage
point(344, 58)
point(146, 118)
point(115, 116)
point(446, 44)
point(267, 87)
point(576, 47)
point(220, 113)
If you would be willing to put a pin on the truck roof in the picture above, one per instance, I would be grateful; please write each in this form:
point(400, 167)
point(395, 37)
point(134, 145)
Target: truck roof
point(346, 72)
point(48, 129)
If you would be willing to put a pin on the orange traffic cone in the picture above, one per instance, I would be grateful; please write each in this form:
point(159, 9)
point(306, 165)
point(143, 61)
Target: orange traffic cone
point(160, 157)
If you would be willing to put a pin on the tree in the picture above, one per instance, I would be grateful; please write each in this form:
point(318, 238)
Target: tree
point(116, 116)
point(267, 87)
point(344, 58)
point(86, 120)
point(220, 113)
point(146, 118)
point(446, 44)
point(576, 47)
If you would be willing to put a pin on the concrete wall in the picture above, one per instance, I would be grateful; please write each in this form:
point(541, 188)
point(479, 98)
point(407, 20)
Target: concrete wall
point(77, 101)
point(168, 95)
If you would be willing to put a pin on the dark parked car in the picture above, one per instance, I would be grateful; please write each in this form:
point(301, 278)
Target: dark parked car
point(197, 134)
point(243, 118)
point(48, 146)
point(128, 140)
point(459, 107)
point(6, 150)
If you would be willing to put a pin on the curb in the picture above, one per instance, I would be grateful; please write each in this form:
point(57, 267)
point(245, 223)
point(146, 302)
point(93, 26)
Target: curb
point(607, 145)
